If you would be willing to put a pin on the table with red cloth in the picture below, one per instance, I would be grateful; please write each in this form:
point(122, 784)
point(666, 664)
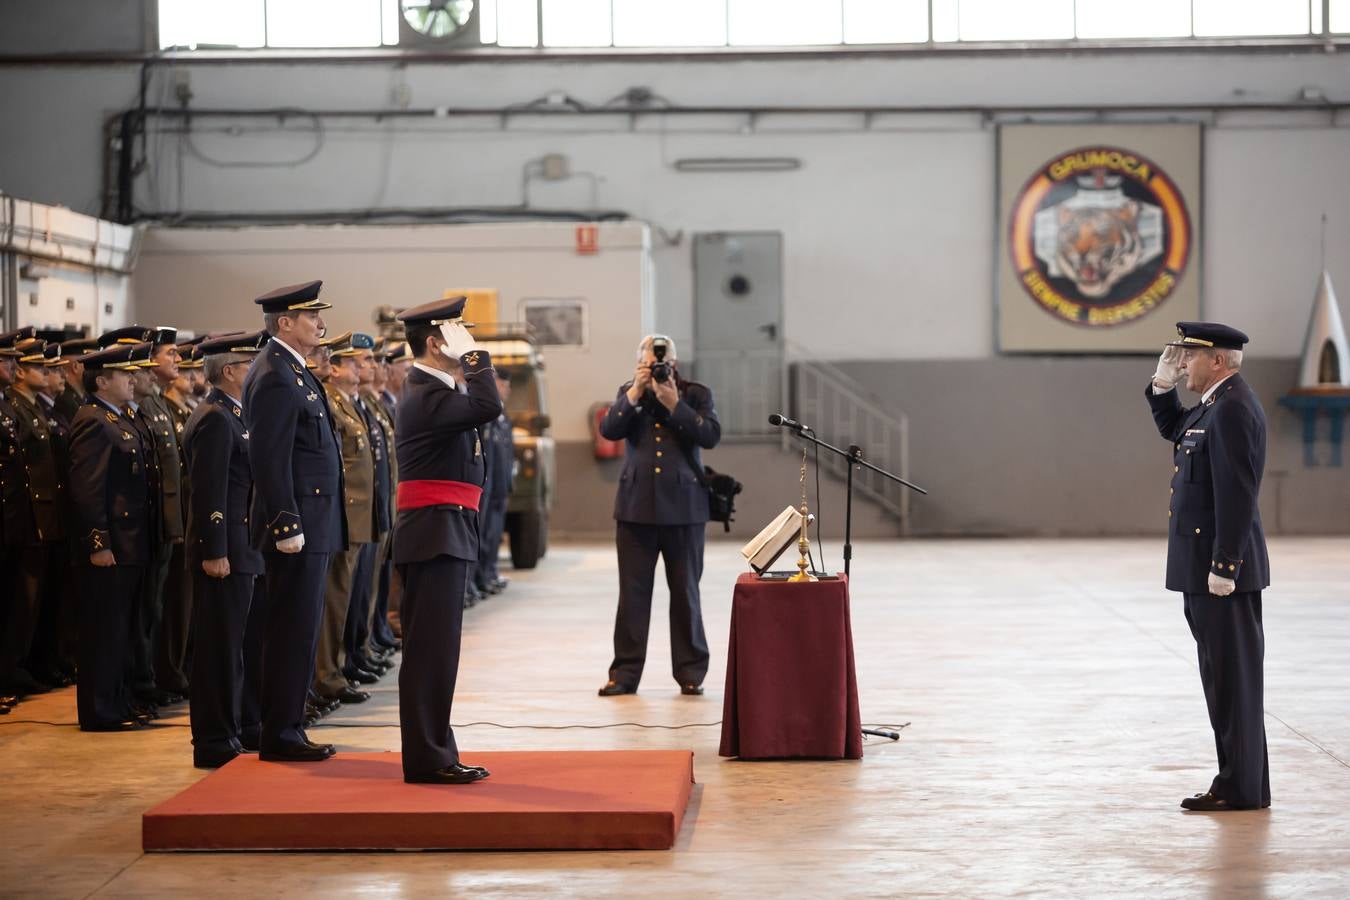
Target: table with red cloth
point(792, 690)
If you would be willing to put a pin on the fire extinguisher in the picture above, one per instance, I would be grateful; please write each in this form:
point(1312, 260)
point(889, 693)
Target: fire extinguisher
point(604, 447)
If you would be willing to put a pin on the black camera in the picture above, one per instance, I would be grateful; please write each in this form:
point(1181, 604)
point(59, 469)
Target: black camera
point(660, 369)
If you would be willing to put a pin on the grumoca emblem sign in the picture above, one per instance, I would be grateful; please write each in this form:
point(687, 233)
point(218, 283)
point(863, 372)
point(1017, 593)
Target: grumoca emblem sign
point(1099, 237)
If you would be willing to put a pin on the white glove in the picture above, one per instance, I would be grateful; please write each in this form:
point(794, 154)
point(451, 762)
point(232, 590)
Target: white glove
point(458, 341)
point(1169, 368)
point(1220, 586)
point(292, 544)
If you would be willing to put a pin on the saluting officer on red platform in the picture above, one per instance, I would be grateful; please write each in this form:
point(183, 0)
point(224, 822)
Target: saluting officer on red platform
point(441, 474)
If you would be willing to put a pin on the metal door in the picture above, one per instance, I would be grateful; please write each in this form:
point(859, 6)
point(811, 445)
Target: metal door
point(738, 326)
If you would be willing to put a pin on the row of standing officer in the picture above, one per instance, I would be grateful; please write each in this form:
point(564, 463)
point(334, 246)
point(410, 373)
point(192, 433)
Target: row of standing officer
point(46, 385)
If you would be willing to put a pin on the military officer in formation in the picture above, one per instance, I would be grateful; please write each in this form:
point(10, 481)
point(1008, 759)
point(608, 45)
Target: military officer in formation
point(1216, 548)
point(224, 564)
point(228, 503)
point(336, 670)
point(39, 527)
point(297, 516)
point(661, 510)
point(449, 395)
point(499, 455)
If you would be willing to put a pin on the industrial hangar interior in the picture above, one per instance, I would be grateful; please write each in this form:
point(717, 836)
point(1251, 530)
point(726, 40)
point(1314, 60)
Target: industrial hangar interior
point(946, 383)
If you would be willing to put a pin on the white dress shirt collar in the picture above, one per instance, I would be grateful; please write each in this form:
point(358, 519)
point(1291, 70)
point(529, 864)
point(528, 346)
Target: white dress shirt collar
point(293, 351)
point(443, 376)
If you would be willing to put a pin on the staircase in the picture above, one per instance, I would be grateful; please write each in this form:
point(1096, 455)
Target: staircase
point(842, 412)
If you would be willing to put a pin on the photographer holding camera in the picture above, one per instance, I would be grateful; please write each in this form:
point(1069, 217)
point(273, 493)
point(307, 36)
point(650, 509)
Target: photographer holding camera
point(661, 509)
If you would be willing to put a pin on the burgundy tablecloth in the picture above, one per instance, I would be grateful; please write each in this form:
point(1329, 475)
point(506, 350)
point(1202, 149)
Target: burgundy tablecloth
point(791, 686)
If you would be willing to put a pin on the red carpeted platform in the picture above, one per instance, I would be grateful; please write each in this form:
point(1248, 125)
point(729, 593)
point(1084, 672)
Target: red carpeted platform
point(593, 800)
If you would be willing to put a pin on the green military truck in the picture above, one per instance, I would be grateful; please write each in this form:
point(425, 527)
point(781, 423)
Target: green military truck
point(515, 354)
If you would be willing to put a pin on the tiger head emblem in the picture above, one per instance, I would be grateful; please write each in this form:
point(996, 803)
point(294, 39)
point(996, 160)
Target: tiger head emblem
point(1098, 236)
point(1097, 247)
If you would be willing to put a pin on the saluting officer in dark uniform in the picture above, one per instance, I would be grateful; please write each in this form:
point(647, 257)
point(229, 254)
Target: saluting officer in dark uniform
point(116, 521)
point(1216, 549)
point(661, 508)
point(223, 561)
point(440, 465)
point(296, 519)
point(15, 515)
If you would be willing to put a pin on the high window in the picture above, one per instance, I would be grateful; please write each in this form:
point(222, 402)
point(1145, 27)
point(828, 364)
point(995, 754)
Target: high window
point(676, 24)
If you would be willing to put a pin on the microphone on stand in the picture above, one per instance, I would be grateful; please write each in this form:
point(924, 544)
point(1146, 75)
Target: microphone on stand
point(782, 421)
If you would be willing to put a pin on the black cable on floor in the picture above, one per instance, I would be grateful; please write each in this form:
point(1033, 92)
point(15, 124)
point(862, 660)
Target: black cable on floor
point(527, 727)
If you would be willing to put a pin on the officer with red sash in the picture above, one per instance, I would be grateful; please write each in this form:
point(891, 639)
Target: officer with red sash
point(441, 474)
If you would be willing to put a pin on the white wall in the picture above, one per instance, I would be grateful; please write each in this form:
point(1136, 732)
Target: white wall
point(888, 227)
point(206, 279)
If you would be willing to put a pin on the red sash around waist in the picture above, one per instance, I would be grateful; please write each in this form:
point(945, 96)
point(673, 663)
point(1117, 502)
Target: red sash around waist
point(417, 494)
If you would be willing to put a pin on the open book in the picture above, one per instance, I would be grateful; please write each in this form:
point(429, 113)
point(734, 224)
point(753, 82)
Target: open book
point(774, 538)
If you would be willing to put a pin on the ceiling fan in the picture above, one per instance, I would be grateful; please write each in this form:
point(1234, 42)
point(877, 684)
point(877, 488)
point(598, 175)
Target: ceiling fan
point(438, 23)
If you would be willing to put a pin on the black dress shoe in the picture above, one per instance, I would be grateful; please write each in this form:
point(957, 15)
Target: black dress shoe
point(330, 749)
point(250, 744)
point(691, 690)
point(124, 725)
point(212, 760)
point(144, 710)
point(328, 707)
point(22, 684)
point(1207, 802)
point(614, 689)
point(298, 753)
point(452, 774)
point(363, 676)
point(168, 698)
point(56, 678)
point(349, 694)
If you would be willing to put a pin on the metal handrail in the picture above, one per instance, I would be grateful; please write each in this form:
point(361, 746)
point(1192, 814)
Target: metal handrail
point(842, 412)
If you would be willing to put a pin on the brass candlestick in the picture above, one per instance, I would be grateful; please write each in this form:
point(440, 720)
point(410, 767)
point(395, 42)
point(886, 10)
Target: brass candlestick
point(803, 542)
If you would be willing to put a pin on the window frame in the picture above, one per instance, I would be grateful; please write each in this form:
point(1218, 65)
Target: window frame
point(1324, 38)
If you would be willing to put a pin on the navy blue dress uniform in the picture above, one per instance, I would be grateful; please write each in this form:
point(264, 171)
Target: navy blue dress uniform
point(39, 582)
point(1214, 528)
point(661, 509)
point(113, 511)
point(440, 467)
point(381, 637)
point(500, 454)
point(216, 446)
point(297, 477)
point(362, 650)
point(149, 608)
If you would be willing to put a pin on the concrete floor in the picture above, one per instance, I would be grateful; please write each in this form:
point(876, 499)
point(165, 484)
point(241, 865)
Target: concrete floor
point(1055, 721)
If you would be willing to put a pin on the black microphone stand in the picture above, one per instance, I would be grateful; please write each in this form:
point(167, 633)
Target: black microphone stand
point(854, 456)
